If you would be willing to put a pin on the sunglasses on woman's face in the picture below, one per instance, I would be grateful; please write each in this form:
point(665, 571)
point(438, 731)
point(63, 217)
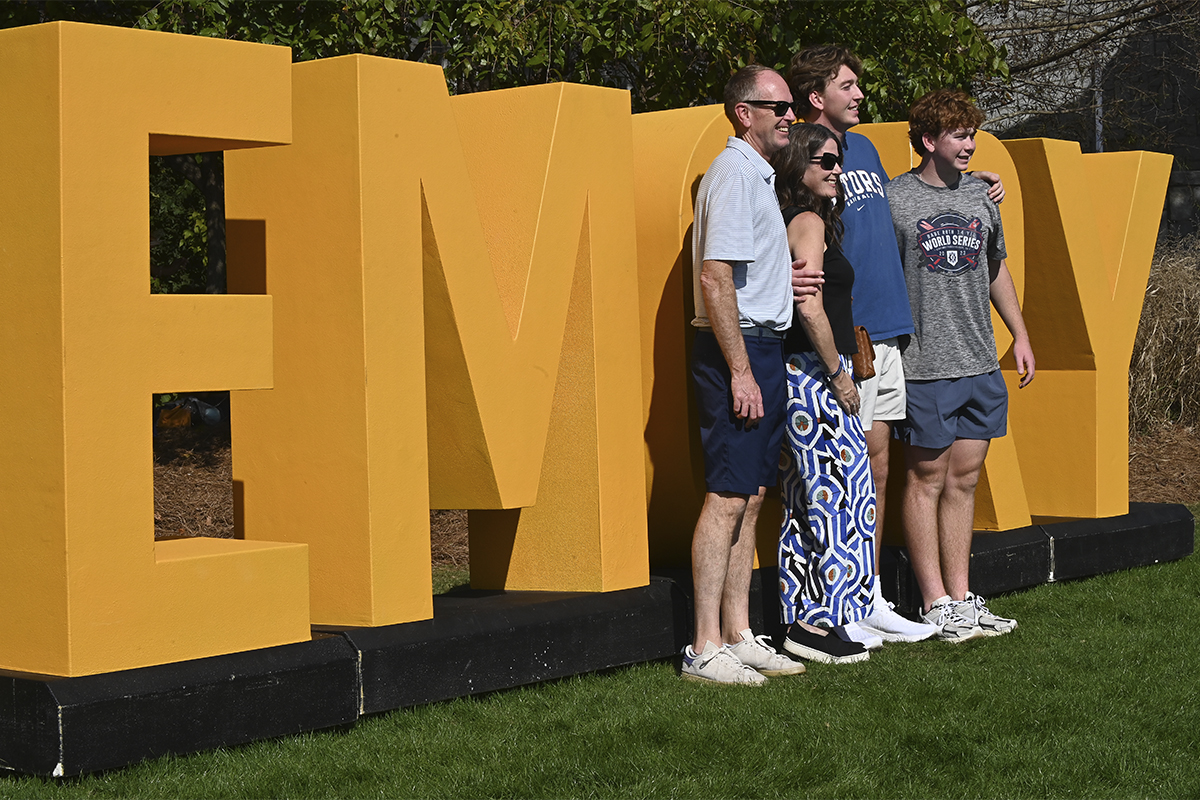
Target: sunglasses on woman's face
point(827, 161)
point(780, 107)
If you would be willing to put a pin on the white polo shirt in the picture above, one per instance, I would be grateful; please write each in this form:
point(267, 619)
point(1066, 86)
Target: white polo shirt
point(738, 221)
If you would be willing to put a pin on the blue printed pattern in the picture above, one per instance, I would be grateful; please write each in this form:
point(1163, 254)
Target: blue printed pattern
point(827, 542)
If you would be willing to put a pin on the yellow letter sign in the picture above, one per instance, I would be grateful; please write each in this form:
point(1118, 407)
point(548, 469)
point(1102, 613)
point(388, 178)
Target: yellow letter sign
point(84, 344)
point(455, 327)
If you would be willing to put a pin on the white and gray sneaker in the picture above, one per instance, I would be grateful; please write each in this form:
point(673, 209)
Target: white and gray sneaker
point(757, 653)
point(952, 626)
point(884, 622)
point(717, 665)
point(854, 632)
point(974, 608)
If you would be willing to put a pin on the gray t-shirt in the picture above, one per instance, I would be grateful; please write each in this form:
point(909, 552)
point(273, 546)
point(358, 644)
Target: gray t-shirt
point(947, 236)
point(738, 221)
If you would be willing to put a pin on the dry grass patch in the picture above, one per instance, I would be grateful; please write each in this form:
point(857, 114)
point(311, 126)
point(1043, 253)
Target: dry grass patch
point(1164, 373)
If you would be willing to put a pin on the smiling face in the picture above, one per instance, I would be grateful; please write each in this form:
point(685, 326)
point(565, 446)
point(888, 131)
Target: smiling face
point(952, 149)
point(837, 105)
point(820, 181)
point(766, 132)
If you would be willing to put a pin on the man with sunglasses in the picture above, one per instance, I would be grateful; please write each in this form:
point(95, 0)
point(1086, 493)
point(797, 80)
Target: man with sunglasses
point(742, 271)
point(824, 81)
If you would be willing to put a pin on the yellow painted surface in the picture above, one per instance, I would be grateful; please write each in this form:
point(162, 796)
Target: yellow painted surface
point(537, 353)
point(673, 151)
point(1091, 222)
point(427, 280)
point(335, 454)
point(86, 587)
point(474, 302)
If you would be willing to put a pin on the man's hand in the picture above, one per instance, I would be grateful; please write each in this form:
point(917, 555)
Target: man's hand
point(805, 280)
point(996, 189)
point(1026, 368)
point(747, 397)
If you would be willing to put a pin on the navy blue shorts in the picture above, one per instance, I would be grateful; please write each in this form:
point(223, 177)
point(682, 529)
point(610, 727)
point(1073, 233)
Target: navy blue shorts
point(736, 458)
point(975, 407)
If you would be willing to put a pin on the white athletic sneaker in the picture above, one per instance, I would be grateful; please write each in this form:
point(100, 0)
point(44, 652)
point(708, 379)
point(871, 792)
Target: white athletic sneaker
point(884, 622)
point(717, 665)
point(952, 626)
point(757, 653)
point(974, 608)
point(854, 632)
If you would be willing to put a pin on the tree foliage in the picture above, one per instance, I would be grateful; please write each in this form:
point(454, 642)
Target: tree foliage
point(667, 53)
point(178, 232)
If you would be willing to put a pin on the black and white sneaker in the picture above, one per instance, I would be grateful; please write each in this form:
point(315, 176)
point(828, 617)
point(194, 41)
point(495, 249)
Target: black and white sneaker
point(825, 647)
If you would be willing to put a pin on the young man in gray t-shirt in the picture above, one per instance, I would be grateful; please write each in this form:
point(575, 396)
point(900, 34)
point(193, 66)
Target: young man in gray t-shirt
point(952, 246)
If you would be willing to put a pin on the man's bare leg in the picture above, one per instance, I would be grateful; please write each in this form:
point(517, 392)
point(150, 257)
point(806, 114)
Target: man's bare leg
point(879, 439)
point(956, 514)
point(735, 596)
point(712, 550)
point(926, 477)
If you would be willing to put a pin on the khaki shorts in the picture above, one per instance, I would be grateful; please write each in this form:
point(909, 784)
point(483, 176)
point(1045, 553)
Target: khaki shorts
point(883, 396)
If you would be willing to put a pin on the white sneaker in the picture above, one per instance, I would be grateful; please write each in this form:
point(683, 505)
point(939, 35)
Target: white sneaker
point(975, 608)
point(884, 622)
point(757, 653)
point(717, 665)
point(952, 626)
point(854, 632)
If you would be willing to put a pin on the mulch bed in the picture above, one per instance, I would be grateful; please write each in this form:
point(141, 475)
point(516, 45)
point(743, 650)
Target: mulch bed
point(1164, 466)
point(193, 484)
point(193, 492)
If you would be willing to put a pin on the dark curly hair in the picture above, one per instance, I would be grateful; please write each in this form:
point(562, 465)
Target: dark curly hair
point(804, 142)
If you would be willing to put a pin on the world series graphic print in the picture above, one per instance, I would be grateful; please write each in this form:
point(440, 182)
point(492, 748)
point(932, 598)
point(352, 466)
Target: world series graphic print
point(951, 243)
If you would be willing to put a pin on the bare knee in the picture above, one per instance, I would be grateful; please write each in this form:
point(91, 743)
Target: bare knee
point(724, 510)
point(962, 483)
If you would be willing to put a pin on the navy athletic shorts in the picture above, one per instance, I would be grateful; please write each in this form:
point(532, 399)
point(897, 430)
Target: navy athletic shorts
point(736, 458)
point(940, 411)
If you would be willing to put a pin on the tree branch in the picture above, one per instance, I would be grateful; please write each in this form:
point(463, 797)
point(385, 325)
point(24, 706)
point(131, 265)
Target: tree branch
point(1063, 53)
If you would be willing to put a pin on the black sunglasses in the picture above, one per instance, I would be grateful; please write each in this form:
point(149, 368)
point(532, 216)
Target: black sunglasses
point(827, 161)
point(780, 107)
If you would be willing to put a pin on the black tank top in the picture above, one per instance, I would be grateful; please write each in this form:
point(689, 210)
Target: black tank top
point(835, 294)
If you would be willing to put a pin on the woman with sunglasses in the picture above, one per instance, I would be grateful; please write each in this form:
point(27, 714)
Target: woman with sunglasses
point(827, 541)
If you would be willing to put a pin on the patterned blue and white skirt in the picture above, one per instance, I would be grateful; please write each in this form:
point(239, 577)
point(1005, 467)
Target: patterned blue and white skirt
point(827, 543)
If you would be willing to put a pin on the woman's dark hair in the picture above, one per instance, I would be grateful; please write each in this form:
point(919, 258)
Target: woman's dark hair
point(805, 140)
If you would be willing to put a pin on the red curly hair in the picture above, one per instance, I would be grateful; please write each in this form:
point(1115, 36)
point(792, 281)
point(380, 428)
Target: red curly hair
point(941, 110)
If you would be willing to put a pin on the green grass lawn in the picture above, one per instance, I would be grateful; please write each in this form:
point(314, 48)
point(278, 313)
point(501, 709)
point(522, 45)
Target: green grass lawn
point(1095, 695)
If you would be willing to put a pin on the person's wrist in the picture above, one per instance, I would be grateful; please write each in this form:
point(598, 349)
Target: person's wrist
point(831, 376)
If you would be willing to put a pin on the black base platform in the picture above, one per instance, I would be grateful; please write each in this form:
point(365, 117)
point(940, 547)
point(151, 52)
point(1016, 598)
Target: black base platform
point(476, 642)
